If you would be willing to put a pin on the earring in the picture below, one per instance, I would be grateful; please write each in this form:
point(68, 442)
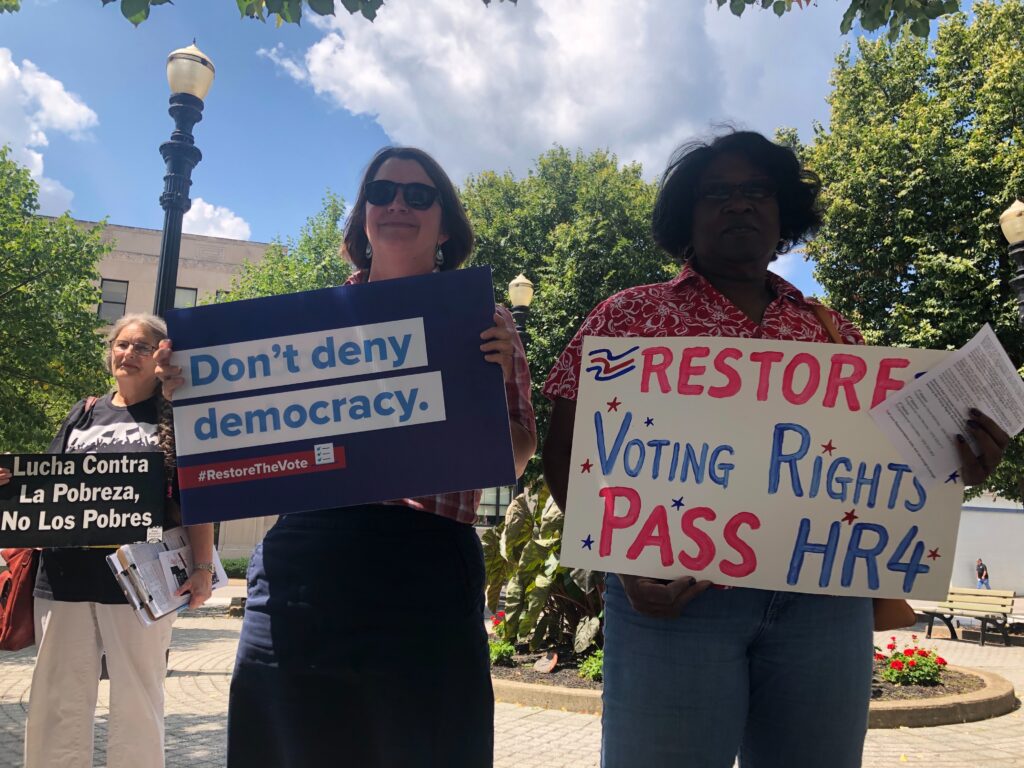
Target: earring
point(369, 251)
point(438, 259)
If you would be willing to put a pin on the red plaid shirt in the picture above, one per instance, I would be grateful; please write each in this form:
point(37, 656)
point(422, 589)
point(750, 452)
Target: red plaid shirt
point(462, 505)
point(690, 306)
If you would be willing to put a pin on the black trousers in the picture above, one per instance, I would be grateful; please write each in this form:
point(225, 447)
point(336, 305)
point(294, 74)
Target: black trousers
point(363, 645)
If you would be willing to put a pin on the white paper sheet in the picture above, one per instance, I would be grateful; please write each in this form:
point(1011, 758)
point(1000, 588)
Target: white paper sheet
point(923, 419)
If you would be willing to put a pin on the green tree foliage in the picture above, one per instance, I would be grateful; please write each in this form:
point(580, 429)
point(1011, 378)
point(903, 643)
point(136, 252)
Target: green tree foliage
point(50, 353)
point(311, 262)
point(282, 11)
point(913, 15)
point(925, 148)
point(579, 227)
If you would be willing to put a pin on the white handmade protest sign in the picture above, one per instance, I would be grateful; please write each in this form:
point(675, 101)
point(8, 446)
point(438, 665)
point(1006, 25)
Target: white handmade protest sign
point(753, 463)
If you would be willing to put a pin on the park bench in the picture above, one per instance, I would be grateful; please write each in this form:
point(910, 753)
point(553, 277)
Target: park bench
point(989, 606)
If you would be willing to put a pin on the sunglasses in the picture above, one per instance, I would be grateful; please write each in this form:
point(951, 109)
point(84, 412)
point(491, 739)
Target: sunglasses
point(417, 196)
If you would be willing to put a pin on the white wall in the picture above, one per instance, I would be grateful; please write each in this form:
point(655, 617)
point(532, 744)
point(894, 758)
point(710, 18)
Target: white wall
point(993, 529)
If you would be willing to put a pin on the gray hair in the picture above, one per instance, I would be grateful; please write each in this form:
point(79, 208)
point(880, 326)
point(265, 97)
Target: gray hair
point(157, 328)
point(154, 325)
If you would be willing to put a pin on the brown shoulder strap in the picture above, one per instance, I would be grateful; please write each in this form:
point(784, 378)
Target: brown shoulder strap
point(826, 322)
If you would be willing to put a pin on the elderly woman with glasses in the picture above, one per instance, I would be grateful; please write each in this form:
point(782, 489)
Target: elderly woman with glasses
point(694, 676)
point(81, 613)
point(363, 642)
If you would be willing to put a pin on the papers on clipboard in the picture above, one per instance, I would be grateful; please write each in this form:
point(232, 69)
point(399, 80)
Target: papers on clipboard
point(150, 573)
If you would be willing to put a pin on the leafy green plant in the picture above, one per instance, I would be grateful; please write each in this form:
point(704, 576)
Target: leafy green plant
point(592, 667)
point(546, 605)
point(502, 653)
point(235, 567)
point(910, 665)
point(915, 15)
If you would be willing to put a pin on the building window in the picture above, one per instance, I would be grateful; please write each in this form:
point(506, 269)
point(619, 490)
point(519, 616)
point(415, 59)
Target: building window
point(113, 297)
point(184, 298)
point(493, 503)
point(221, 294)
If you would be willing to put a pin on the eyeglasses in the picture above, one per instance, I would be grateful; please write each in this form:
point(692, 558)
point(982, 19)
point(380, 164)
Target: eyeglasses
point(142, 349)
point(417, 196)
point(719, 191)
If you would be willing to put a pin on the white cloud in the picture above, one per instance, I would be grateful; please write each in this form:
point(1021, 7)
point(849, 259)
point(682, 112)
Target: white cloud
point(492, 87)
point(214, 221)
point(291, 67)
point(32, 103)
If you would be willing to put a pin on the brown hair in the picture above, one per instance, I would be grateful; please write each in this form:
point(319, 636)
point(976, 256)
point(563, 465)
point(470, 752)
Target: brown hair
point(454, 221)
point(157, 328)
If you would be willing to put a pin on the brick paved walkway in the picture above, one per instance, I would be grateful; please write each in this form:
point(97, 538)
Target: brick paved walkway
point(203, 650)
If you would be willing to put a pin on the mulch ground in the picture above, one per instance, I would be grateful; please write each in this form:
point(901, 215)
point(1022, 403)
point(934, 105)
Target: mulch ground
point(566, 675)
point(952, 682)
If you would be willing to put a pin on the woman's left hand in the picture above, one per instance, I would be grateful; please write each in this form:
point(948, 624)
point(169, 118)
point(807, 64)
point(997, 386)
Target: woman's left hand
point(500, 346)
point(200, 584)
point(992, 442)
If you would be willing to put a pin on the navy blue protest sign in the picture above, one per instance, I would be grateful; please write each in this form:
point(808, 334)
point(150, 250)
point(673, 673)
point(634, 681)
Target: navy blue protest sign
point(337, 397)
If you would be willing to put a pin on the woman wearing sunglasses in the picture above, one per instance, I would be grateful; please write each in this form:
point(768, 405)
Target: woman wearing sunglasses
point(363, 642)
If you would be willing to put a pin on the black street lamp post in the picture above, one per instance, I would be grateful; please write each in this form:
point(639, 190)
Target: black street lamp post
point(1012, 223)
point(520, 294)
point(190, 74)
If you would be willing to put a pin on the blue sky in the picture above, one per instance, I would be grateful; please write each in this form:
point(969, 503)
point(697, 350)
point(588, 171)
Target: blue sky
point(296, 110)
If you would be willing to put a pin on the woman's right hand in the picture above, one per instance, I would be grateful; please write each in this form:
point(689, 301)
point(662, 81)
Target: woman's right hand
point(169, 375)
point(5, 476)
point(659, 598)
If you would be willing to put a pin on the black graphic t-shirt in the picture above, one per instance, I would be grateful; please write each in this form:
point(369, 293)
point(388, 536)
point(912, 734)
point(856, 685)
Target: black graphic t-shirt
point(76, 575)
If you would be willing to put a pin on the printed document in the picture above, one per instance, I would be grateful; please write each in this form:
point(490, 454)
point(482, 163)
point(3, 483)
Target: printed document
point(923, 419)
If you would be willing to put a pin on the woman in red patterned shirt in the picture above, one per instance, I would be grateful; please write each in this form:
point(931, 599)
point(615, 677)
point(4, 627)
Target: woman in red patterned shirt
point(694, 677)
point(333, 668)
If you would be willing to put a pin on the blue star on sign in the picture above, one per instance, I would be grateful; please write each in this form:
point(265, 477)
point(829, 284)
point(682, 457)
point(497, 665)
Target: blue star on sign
point(677, 503)
point(648, 422)
point(953, 478)
point(588, 542)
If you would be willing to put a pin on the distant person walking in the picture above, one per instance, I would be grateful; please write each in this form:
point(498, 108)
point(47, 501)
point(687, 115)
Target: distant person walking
point(982, 575)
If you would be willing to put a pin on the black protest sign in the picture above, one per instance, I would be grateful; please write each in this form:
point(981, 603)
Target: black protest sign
point(76, 500)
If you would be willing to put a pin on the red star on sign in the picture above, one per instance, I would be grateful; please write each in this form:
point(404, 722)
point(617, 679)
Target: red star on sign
point(849, 517)
point(613, 404)
point(827, 447)
point(934, 553)
point(586, 466)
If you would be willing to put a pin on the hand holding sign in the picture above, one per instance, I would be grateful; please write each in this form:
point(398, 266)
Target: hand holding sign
point(169, 375)
point(659, 598)
point(498, 346)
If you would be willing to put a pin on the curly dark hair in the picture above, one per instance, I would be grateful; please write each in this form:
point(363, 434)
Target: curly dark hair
point(454, 221)
point(797, 189)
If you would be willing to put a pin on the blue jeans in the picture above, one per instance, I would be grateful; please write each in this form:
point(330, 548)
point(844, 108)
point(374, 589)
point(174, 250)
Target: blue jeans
point(782, 679)
point(983, 583)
